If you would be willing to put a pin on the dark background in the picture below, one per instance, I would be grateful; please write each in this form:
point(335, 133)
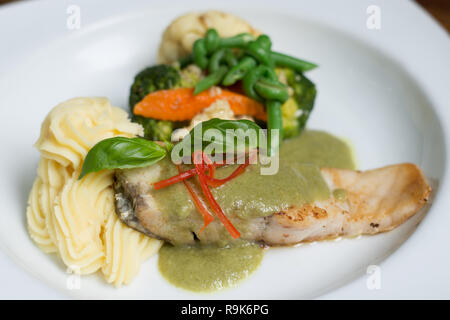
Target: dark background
point(439, 9)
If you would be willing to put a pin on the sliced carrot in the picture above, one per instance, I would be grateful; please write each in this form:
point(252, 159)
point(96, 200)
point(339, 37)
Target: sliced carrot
point(181, 104)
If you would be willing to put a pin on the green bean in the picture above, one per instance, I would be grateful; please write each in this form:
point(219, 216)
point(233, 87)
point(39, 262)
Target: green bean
point(215, 60)
point(212, 40)
point(265, 42)
point(248, 82)
point(271, 90)
point(238, 41)
point(220, 57)
point(283, 60)
point(211, 80)
point(204, 46)
point(230, 58)
point(185, 61)
point(259, 53)
point(238, 72)
point(200, 53)
point(274, 122)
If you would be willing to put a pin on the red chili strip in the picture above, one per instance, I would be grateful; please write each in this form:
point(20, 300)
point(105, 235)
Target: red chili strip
point(213, 182)
point(210, 164)
point(198, 161)
point(207, 216)
point(175, 179)
point(182, 176)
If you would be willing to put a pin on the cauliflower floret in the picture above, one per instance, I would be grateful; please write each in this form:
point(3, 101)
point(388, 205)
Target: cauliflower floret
point(190, 76)
point(218, 109)
point(180, 35)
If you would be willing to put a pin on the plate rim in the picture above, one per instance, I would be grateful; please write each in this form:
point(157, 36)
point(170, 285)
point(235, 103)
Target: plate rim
point(436, 96)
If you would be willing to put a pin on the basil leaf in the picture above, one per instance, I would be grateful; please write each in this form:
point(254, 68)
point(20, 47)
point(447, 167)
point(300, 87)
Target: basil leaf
point(225, 134)
point(122, 153)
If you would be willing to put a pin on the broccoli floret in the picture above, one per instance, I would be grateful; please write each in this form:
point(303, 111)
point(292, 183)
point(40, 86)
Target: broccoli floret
point(151, 79)
point(158, 130)
point(160, 77)
point(296, 110)
point(290, 121)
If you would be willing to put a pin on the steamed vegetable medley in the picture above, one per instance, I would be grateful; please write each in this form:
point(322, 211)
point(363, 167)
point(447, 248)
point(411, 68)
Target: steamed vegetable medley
point(256, 82)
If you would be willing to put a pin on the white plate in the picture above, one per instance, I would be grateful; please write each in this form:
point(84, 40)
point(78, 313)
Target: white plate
point(385, 90)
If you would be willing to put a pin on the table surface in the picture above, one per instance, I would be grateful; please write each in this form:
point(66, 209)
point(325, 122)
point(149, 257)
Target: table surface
point(439, 9)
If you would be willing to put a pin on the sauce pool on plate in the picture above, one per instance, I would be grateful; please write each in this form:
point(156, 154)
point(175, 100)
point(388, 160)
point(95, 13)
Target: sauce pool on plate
point(206, 268)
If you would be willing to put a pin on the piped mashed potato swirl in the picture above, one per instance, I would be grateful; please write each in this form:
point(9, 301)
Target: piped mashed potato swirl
point(76, 218)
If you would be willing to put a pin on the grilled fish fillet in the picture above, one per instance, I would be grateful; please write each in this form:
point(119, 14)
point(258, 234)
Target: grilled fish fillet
point(376, 201)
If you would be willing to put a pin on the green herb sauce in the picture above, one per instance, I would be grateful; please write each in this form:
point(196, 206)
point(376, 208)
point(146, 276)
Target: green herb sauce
point(298, 181)
point(206, 268)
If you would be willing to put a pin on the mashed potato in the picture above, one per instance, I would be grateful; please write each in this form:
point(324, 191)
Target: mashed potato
point(76, 218)
point(180, 35)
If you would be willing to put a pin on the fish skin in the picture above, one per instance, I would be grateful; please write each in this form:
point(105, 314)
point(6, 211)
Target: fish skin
point(377, 201)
